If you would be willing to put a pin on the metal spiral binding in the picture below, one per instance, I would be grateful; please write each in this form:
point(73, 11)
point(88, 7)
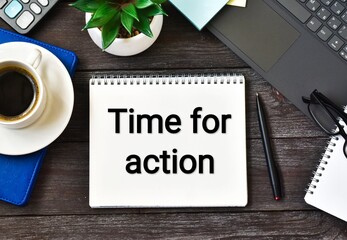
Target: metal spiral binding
point(322, 165)
point(181, 79)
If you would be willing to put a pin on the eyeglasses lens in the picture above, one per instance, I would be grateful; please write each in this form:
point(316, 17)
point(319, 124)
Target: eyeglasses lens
point(322, 116)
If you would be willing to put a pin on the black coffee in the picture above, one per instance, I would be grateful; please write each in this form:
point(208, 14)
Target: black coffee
point(16, 91)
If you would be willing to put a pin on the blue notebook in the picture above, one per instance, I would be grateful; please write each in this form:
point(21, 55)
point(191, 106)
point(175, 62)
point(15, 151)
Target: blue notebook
point(199, 12)
point(18, 173)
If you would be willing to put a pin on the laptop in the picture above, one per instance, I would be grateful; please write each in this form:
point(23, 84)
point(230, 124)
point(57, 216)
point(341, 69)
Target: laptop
point(296, 45)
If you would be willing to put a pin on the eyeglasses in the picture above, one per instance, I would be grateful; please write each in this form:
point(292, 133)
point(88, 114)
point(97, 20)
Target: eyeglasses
point(327, 115)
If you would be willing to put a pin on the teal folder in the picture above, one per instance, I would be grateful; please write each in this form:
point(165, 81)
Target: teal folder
point(199, 12)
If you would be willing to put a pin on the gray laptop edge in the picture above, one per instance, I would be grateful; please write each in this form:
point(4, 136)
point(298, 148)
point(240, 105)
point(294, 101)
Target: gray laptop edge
point(282, 50)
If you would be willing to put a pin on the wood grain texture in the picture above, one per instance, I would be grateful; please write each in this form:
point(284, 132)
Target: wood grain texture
point(285, 120)
point(179, 45)
point(59, 204)
point(257, 225)
point(62, 186)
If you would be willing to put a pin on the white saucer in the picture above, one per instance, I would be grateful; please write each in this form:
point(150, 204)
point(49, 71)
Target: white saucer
point(58, 110)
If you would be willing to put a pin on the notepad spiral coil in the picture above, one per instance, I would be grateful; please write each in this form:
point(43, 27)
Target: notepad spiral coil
point(167, 79)
point(318, 173)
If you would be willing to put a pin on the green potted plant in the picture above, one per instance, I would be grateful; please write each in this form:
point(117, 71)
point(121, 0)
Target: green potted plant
point(122, 27)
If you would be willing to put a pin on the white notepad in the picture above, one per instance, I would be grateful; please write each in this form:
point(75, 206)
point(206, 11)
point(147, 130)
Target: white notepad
point(327, 191)
point(219, 179)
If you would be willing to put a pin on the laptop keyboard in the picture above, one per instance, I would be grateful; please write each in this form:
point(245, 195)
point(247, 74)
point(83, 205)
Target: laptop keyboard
point(327, 19)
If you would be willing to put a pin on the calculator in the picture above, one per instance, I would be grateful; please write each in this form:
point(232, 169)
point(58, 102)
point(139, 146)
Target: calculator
point(23, 15)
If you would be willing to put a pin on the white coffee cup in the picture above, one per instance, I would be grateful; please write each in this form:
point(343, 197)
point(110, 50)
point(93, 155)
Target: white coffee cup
point(28, 68)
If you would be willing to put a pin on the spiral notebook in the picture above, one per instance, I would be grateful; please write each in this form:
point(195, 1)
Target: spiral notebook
point(167, 141)
point(327, 189)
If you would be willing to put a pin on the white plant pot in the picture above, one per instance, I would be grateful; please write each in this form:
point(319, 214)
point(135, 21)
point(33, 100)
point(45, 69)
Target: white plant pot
point(128, 46)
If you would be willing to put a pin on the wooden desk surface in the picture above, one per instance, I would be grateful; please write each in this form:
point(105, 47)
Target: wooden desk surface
point(59, 204)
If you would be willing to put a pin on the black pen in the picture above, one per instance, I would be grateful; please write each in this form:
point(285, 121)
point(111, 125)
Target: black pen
point(273, 173)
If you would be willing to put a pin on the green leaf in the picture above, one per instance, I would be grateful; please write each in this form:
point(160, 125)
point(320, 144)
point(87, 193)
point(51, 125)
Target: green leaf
point(143, 3)
point(153, 11)
point(101, 16)
point(158, 1)
point(130, 10)
point(110, 31)
point(87, 5)
point(143, 25)
point(127, 21)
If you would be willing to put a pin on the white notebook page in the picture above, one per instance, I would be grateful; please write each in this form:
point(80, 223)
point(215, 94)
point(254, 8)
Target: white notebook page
point(330, 193)
point(112, 186)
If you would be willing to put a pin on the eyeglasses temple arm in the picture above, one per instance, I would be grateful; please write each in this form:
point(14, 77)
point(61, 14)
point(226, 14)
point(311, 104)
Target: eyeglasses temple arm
point(306, 99)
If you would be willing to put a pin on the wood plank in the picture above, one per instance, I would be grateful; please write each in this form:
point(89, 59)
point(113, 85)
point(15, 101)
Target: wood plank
point(285, 120)
point(62, 186)
point(179, 45)
point(258, 225)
